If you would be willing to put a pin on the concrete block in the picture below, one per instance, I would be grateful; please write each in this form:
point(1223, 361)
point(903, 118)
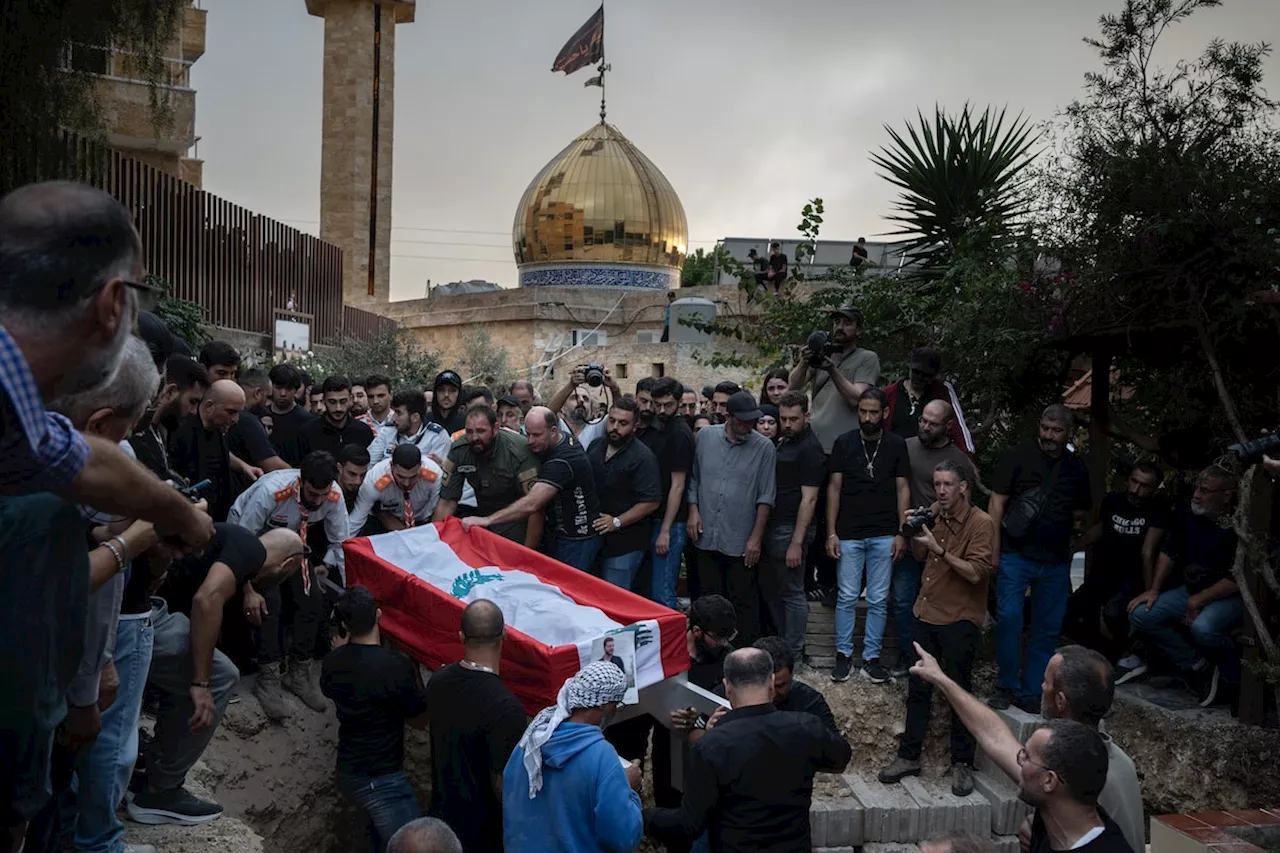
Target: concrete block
point(1007, 811)
point(819, 811)
point(888, 811)
point(1020, 722)
point(1006, 844)
point(889, 847)
point(844, 822)
point(984, 764)
point(822, 661)
point(942, 811)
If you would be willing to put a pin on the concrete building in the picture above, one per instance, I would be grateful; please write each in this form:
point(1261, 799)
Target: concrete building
point(883, 257)
point(126, 98)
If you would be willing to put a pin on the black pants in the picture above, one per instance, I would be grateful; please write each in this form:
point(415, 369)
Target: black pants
point(955, 647)
point(294, 620)
point(821, 567)
point(721, 574)
point(1100, 603)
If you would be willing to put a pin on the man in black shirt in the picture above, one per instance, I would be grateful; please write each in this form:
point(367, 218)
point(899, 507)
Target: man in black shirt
point(376, 690)
point(446, 407)
point(194, 679)
point(476, 722)
point(867, 500)
point(671, 440)
point(1125, 539)
point(626, 475)
point(749, 781)
point(249, 439)
point(777, 272)
point(1040, 489)
point(566, 488)
point(789, 694)
point(182, 388)
point(800, 473)
point(859, 256)
point(335, 429)
point(283, 417)
point(1063, 769)
point(198, 450)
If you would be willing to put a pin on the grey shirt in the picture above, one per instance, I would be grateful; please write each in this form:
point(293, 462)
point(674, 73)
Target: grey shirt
point(831, 415)
point(727, 484)
point(1121, 796)
point(924, 459)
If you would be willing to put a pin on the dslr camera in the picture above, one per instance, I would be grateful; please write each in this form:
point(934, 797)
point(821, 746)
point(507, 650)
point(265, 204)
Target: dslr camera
point(593, 373)
point(820, 346)
point(1251, 452)
point(917, 520)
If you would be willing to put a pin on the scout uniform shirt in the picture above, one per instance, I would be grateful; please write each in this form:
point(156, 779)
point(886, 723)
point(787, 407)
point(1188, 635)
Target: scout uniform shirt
point(381, 494)
point(430, 439)
point(273, 501)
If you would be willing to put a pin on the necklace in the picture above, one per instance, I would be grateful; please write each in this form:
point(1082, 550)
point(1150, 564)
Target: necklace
point(477, 667)
point(871, 460)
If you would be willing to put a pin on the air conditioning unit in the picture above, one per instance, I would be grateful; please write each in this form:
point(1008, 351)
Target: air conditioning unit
point(590, 338)
point(649, 337)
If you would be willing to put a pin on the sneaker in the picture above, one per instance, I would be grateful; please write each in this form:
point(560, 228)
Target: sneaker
point(1029, 704)
point(1208, 682)
point(1129, 662)
point(844, 666)
point(901, 669)
point(178, 806)
point(961, 780)
point(1133, 674)
point(875, 673)
point(900, 769)
point(1000, 700)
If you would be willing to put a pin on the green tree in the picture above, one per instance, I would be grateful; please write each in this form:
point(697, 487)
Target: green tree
point(698, 269)
point(184, 318)
point(394, 353)
point(484, 362)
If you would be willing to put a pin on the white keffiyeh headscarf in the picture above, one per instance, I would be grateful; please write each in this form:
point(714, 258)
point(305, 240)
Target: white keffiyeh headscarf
point(596, 684)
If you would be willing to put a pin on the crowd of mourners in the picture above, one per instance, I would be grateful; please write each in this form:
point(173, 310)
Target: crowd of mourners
point(172, 518)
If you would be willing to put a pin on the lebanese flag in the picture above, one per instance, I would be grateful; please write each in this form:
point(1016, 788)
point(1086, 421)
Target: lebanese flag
point(422, 579)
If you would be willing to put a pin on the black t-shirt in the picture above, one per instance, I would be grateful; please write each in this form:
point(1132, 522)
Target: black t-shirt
point(476, 723)
point(1110, 841)
point(319, 434)
point(452, 421)
point(375, 690)
point(859, 255)
point(1124, 529)
point(1025, 467)
point(284, 430)
point(234, 546)
point(907, 411)
point(201, 454)
point(801, 462)
point(577, 505)
point(1202, 551)
point(869, 498)
point(672, 442)
point(777, 263)
point(248, 439)
point(630, 477)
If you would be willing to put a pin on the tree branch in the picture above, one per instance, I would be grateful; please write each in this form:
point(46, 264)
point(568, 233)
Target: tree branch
point(1228, 405)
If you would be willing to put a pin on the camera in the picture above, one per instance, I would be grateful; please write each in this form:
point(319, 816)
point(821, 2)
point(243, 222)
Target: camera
point(820, 346)
point(1251, 452)
point(594, 374)
point(917, 520)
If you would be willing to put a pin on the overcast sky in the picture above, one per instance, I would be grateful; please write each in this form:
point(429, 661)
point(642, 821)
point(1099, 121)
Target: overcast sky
point(749, 107)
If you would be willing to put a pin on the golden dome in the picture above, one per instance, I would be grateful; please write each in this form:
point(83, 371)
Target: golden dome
point(600, 201)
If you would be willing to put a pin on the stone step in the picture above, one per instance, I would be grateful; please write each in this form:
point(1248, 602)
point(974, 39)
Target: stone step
point(889, 813)
point(822, 661)
point(1006, 844)
point(836, 823)
point(820, 638)
point(1020, 722)
point(1007, 811)
point(942, 811)
point(889, 847)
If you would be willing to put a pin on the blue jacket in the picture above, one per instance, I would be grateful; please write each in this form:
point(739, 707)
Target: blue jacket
point(585, 804)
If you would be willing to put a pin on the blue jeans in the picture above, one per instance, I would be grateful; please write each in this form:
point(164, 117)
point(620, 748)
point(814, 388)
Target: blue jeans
point(1208, 636)
point(875, 556)
point(1050, 585)
point(104, 771)
point(621, 570)
point(579, 553)
point(906, 586)
point(389, 802)
point(666, 570)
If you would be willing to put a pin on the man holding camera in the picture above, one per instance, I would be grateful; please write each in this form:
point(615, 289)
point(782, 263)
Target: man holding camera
point(577, 421)
point(956, 542)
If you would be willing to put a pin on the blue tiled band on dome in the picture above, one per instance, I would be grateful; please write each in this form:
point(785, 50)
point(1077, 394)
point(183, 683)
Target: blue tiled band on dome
point(630, 276)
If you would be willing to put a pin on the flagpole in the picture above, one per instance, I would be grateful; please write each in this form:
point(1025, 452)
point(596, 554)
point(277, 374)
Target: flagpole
point(603, 67)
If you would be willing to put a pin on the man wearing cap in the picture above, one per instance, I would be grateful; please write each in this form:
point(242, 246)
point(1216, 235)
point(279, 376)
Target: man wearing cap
point(564, 789)
point(730, 495)
point(908, 397)
point(510, 415)
point(446, 402)
point(398, 493)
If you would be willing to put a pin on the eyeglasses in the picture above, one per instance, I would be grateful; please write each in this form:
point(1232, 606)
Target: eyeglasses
point(720, 641)
point(1024, 759)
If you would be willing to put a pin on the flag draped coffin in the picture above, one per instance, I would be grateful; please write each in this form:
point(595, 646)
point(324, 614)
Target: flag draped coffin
point(423, 578)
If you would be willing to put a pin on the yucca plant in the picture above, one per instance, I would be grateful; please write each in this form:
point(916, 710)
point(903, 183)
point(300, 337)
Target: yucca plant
point(964, 182)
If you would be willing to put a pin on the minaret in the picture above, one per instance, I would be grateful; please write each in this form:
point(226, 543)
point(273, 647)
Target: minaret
point(357, 132)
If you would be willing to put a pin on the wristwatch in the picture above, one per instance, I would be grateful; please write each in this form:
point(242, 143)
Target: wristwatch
point(617, 523)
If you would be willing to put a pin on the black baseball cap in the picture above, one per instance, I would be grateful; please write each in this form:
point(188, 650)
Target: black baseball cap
point(447, 377)
point(926, 360)
point(508, 400)
point(156, 335)
point(743, 407)
point(849, 312)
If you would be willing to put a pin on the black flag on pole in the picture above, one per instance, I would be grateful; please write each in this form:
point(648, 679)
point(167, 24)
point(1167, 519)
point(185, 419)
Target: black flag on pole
point(586, 46)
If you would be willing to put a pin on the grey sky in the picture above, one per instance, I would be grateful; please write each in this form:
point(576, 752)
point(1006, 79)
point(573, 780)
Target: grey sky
point(749, 107)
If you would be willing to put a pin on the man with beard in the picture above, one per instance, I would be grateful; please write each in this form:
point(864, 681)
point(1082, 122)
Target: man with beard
point(577, 420)
point(720, 401)
point(182, 387)
point(838, 384)
point(198, 450)
point(410, 425)
point(293, 499)
point(629, 485)
point(925, 451)
point(398, 493)
point(924, 384)
point(353, 465)
point(1040, 489)
point(359, 400)
point(377, 389)
point(730, 495)
point(510, 415)
point(335, 429)
point(1192, 606)
point(688, 404)
point(671, 441)
point(565, 477)
point(1124, 539)
point(284, 417)
point(499, 466)
point(446, 408)
point(867, 502)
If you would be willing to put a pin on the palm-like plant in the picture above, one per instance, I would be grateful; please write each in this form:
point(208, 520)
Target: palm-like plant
point(964, 182)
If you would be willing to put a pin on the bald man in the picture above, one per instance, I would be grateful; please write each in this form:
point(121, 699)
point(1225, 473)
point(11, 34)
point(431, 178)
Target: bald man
point(198, 447)
point(476, 723)
point(425, 835)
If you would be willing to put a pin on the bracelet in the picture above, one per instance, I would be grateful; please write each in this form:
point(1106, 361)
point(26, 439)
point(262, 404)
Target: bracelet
point(205, 684)
point(124, 546)
point(115, 552)
point(832, 536)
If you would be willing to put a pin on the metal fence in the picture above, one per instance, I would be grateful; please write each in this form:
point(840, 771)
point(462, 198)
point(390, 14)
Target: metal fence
point(237, 265)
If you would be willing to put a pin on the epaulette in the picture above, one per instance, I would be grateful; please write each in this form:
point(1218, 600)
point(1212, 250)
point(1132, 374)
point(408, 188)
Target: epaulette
point(429, 474)
point(383, 482)
point(459, 434)
point(335, 495)
point(285, 493)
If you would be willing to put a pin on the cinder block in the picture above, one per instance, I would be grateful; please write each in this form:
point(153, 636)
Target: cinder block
point(889, 847)
point(844, 822)
point(1006, 844)
point(818, 812)
point(984, 764)
point(888, 811)
point(822, 661)
point(1007, 811)
point(942, 811)
point(1020, 722)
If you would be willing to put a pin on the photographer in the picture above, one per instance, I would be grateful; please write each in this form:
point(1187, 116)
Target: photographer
point(956, 542)
point(840, 375)
point(583, 378)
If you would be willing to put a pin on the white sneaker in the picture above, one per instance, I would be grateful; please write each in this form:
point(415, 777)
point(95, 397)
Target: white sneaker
point(1129, 662)
point(1137, 672)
